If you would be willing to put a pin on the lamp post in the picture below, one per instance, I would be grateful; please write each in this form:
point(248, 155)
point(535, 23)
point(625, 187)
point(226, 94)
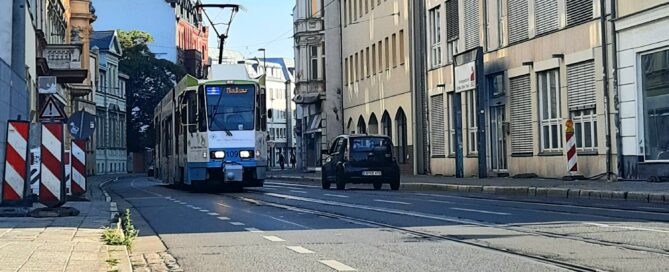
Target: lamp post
point(270, 147)
point(264, 60)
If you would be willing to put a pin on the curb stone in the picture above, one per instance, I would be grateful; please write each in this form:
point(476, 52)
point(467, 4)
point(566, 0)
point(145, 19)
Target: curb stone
point(637, 196)
point(557, 193)
point(115, 223)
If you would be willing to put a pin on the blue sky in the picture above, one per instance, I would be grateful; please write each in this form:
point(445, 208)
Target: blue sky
point(263, 24)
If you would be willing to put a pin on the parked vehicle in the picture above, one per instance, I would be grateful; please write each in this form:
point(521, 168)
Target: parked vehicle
point(361, 159)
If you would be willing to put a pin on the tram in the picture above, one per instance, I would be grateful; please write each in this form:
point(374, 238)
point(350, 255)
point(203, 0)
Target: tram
point(213, 131)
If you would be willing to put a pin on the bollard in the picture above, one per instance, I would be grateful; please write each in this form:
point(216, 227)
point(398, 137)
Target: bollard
point(15, 181)
point(52, 184)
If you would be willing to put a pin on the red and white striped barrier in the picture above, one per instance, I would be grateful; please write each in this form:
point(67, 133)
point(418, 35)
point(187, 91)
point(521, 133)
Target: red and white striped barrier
point(572, 162)
point(78, 173)
point(52, 184)
point(14, 184)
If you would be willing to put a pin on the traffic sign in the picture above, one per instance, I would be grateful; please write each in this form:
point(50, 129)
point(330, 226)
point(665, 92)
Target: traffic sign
point(81, 125)
point(51, 110)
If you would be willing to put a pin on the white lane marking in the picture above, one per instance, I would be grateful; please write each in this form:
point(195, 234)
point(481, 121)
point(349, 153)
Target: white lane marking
point(300, 250)
point(254, 230)
point(274, 238)
point(271, 189)
point(623, 227)
point(237, 223)
point(393, 202)
point(212, 213)
point(333, 195)
point(223, 205)
point(440, 201)
point(190, 206)
point(141, 198)
point(289, 222)
point(298, 191)
point(654, 208)
point(479, 211)
point(196, 208)
point(292, 184)
point(337, 265)
point(224, 218)
point(204, 211)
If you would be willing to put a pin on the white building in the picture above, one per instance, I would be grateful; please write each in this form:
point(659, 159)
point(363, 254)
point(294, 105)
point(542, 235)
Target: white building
point(643, 87)
point(111, 153)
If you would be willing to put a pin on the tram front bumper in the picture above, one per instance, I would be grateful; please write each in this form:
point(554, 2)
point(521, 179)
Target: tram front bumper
point(233, 173)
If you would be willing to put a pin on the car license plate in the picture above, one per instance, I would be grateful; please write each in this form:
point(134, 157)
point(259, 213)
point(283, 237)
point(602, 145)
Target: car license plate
point(371, 173)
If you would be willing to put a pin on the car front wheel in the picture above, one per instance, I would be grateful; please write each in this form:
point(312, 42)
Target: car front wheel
point(341, 182)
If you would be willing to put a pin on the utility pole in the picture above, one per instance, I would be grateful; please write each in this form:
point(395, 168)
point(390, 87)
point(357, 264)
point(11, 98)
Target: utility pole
point(417, 47)
point(18, 62)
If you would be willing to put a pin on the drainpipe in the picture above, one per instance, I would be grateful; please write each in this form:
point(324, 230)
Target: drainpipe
point(605, 77)
point(614, 63)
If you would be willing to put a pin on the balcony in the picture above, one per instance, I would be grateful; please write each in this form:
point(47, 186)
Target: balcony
point(308, 92)
point(64, 62)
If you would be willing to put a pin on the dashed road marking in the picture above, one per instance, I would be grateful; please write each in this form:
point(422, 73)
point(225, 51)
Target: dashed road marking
point(191, 206)
point(440, 201)
point(624, 227)
point(392, 202)
point(479, 211)
point(223, 205)
point(254, 230)
point(212, 213)
point(237, 223)
point(333, 195)
point(224, 218)
point(300, 250)
point(337, 265)
point(298, 191)
point(274, 238)
point(204, 211)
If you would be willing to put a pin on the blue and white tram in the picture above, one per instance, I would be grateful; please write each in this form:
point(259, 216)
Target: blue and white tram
point(213, 131)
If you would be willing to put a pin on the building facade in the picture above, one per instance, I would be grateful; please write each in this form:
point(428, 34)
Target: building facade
point(377, 95)
point(110, 100)
point(543, 64)
point(317, 79)
point(643, 87)
point(176, 26)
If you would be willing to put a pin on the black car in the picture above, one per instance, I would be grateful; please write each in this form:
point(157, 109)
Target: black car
point(361, 159)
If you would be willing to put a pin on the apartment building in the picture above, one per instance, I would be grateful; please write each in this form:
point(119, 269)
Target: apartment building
point(377, 97)
point(504, 76)
point(642, 47)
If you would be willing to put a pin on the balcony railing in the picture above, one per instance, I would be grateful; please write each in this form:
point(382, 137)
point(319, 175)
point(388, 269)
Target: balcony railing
point(64, 62)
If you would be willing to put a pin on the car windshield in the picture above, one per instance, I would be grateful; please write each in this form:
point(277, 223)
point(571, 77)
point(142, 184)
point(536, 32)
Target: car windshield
point(230, 107)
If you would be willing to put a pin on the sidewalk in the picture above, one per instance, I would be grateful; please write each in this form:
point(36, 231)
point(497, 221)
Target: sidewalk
point(594, 189)
point(63, 243)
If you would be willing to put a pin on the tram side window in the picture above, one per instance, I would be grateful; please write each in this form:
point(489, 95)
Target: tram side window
point(156, 123)
point(192, 112)
point(202, 109)
point(168, 135)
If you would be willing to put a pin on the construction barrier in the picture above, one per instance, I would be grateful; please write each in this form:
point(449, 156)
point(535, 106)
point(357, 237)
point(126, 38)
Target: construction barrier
point(572, 161)
point(15, 182)
point(52, 172)
point(78, 162)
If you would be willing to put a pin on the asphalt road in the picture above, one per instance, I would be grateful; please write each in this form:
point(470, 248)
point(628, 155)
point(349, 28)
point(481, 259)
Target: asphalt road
point(297, 227)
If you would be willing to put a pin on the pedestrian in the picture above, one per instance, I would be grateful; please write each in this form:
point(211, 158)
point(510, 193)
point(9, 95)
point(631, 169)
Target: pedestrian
point(292, 160)
point(282, 161)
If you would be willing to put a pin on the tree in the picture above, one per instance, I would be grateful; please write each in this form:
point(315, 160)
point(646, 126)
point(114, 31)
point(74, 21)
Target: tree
point(150, 79)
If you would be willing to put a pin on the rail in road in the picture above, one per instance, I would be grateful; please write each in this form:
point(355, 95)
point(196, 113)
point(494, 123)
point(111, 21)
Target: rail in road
point(528, 222)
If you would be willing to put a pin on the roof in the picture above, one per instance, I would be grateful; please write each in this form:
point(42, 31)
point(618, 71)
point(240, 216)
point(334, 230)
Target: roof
point(102, 39)
point(284, 66)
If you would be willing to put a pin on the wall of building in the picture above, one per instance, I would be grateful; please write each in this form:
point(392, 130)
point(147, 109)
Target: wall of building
point(639, 34)
point(377, 84)
point(332, 108)
point(630, 7)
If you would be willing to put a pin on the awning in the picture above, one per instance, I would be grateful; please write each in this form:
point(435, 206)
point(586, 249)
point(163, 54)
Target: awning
point(315, 124)
point(308, 98)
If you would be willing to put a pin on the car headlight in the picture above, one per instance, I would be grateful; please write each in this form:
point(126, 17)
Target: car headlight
point(244, 154)
point(218, 154)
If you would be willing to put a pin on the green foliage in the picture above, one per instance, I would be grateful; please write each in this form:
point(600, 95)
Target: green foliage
point(125, 236)
point(150, 79)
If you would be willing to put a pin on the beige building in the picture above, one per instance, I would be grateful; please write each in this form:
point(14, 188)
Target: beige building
point(542, 65)
point(376, 72)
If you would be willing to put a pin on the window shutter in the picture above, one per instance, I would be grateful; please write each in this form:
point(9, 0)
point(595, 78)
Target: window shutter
point(546, 16)
point(521, 115)
point(518, 20)
point(581, 85)
point(579, 11)
point(472, 31)
point(452, 20)
point(438, 143)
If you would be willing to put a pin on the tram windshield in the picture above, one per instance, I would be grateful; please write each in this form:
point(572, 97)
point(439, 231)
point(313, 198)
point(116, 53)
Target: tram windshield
point(230, 107)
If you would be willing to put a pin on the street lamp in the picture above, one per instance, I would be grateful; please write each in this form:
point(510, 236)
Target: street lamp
point(264, 60)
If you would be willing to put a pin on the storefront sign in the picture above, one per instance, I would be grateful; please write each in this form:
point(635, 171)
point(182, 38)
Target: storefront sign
point(465, 77)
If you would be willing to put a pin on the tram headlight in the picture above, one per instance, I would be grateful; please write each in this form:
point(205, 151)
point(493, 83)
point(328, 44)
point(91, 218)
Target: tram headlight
point(245, 154)
point(218, 154)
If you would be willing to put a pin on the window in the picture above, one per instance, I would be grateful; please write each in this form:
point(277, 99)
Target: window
point(521, 115)
point(346, 71)
point(367, 65)
point(452, 20)
point(402, 47)
point(387, 125)
point(518, 20)
point(314, 62)
point(374, 59)
point(387, 54)
point(549, 111)
point(402, 148)
point(496, 82)
point(380, 57)
point(394, 50)
point(585, 129)
point(362, 64)
point(356, 65)
point(435, 36)
point(472, 25)
point(362, 126)
point(437, 134)
point(472, 122)
point(578, 11)
point(346, 13)
point(501, 26)
point(655, 109)
point(451, 124)
point(546, 16)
